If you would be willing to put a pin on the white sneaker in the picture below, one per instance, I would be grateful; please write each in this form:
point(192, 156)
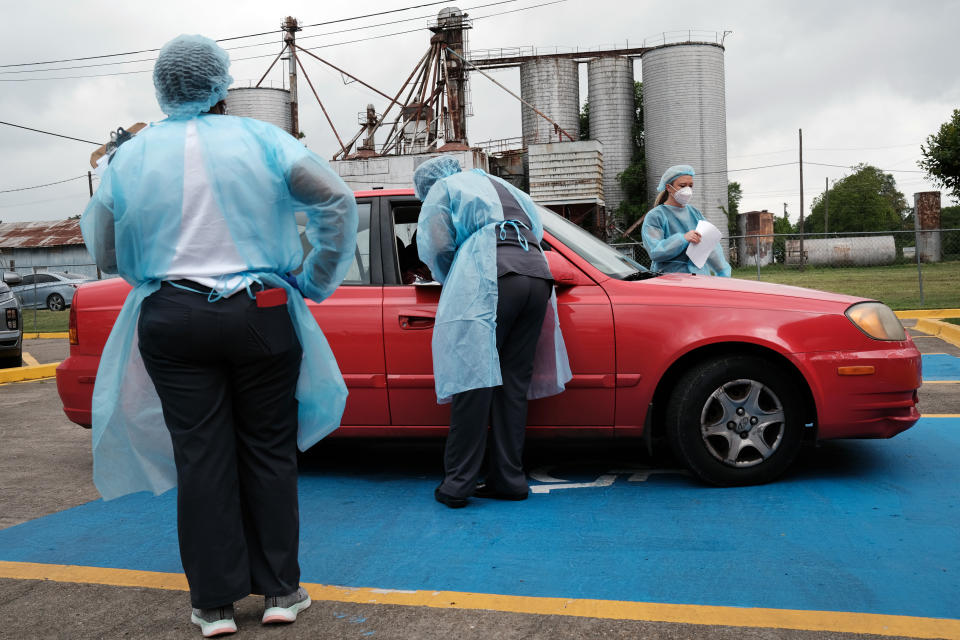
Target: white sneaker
point(285, 608)
point(214, 622)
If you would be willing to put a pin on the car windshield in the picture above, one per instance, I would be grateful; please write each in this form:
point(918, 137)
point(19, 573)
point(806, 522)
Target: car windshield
point(589, 247)
point(75, 276)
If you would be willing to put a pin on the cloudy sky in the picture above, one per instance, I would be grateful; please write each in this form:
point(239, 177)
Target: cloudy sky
point(867, 82)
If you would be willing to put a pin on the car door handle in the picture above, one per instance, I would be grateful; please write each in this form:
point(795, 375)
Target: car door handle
point(416, 322)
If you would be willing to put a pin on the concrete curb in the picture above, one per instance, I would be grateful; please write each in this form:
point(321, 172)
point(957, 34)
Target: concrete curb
point(60, 334)
point(928, 313)
point(22, 374)
point(943, 330)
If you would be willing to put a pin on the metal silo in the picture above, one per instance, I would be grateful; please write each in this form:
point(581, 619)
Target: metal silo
point(552, 85)
point(263, 103)
point(685, 121)
point(612, 111)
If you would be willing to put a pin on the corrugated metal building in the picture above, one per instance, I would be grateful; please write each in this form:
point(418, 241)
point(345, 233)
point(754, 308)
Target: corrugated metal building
point(46, 246)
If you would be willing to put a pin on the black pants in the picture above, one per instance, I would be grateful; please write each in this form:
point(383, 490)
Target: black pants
point(226, 373)
point(521, 304)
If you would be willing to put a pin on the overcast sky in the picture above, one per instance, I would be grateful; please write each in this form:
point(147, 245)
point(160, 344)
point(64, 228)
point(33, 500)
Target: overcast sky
point(867, 82)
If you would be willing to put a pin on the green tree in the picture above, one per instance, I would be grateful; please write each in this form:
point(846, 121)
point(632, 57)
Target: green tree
point(633, 179)
point(941, 155)
point(585, 121)
point(866, 200)
point(781, 225)
point(734, 196)
point(950, 217)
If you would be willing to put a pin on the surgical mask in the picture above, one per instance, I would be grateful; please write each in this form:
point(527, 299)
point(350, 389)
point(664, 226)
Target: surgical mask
point(684, 195)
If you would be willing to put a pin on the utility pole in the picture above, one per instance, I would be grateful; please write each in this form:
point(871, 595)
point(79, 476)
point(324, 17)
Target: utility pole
point(802, 255)
point(826, 205)
point(291, 27)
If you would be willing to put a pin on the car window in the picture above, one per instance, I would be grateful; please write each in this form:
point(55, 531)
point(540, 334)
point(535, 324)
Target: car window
point(359, 272)
point(592, 249)
point(43, 278)
point(27, 279)
point(408, 264)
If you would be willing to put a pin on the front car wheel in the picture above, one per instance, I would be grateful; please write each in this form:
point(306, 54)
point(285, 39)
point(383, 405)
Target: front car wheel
point(735, 420)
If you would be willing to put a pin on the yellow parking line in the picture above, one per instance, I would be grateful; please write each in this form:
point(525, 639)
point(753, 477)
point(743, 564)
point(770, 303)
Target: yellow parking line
point(941, 415)
point(30, 360)
point(835, 621)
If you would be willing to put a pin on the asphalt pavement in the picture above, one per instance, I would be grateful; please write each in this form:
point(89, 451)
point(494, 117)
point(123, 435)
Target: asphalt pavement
point(565, 564)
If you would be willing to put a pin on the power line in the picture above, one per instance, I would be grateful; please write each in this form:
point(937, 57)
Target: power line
point(49, 133)
point(249, 35)
point(245, 46)
point(39, 186)
point(334, 44)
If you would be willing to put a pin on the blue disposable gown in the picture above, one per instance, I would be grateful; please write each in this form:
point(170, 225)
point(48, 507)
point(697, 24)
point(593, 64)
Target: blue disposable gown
point(662, 231)
point(456, 239)
point(260, 176)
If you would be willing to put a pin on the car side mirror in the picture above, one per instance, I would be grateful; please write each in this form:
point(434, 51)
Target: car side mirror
point(564, 273)
point(12, 278)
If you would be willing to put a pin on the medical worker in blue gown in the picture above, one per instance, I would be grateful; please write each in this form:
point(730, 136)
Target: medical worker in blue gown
point(496, 339)
point(215, 370)
point(670, 227)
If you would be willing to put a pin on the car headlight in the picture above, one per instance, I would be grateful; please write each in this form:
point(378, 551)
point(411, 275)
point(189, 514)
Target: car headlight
point(877, 321)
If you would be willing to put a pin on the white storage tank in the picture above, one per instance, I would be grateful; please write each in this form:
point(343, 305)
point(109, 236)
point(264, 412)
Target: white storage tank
point(263, 103)
point(552, 85)
point(685, 121)
point(861, 251)
point(612, 112)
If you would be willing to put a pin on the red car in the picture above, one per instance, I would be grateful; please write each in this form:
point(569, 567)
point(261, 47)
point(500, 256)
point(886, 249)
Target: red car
point(735, 374)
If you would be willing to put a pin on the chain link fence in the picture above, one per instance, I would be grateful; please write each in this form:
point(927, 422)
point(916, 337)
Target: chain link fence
point(905, 269)
point(46, 292)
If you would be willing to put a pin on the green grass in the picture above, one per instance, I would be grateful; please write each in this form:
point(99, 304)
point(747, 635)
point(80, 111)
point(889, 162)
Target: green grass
point(895, 285)
point(46, 320)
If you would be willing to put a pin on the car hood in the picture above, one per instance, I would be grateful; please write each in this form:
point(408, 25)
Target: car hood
point(717, 291)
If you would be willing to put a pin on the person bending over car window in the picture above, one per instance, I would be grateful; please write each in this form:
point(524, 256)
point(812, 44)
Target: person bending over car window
point(215, 369)
point(480, 238)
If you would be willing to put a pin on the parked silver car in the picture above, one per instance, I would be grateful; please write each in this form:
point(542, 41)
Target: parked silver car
point(49, 290)
point(11, 323)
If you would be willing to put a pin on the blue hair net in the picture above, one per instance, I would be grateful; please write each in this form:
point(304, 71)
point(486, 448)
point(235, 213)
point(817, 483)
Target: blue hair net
point(673, 173)
point(432, 170)
point(190, 76)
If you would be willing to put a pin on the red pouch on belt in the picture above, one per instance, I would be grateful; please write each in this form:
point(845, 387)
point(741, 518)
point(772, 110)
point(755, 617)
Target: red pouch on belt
point(271, 297)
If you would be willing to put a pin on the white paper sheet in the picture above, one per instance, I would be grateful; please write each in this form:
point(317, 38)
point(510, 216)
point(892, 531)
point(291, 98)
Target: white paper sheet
point(709, 238)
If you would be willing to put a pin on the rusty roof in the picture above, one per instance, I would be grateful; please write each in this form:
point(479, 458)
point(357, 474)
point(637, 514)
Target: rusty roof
point(28, 235)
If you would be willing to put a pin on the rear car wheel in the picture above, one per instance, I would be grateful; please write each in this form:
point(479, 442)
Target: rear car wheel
point(55, 302)
point(11, 363)
point(735, 420)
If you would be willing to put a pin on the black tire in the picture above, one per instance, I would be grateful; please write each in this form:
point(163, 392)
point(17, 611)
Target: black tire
point(55, 302)
point(742, 401)
point(12, 362)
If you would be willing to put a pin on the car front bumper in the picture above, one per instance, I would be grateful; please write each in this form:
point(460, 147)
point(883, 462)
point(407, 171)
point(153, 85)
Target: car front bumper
point(877, 404)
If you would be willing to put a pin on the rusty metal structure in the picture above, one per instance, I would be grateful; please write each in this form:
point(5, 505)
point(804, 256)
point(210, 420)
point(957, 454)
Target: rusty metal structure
point(926, 221)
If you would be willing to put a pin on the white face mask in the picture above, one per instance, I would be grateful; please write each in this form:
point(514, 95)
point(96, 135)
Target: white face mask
point(684, 195)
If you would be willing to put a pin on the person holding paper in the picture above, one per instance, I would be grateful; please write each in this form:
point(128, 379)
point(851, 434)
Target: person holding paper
point(674, 230)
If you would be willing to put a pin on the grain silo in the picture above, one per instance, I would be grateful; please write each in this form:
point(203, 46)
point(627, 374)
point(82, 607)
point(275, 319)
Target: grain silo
point(263, 103)
point(612, 112)
point(552, 85)
point(685, 122)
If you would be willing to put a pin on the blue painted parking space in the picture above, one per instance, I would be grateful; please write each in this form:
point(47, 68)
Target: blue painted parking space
point(940, 366)
point(861, 526)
